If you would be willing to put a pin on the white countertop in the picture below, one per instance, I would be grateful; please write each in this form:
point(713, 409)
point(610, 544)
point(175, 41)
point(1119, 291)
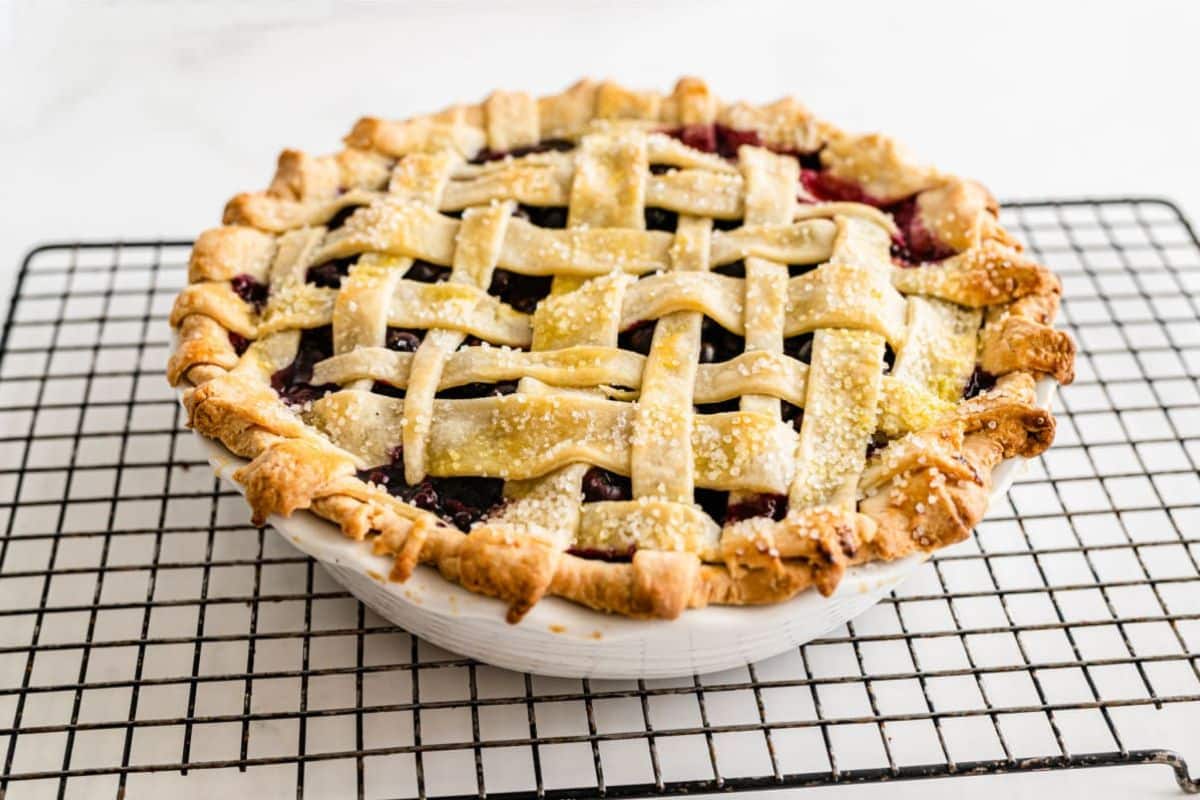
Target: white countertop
point(138, 120)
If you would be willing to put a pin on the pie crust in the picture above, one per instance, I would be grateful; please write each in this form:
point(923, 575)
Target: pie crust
point(686, 352)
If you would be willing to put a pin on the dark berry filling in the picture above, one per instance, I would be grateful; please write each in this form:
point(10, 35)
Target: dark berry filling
point(424, 272)
point(293, 381)
point(598, 554)
point(250, 290)
point(404, 340)
point(889, 358)
point(758, 505)
point(736, 269)
point(602, 485)
point(715, 503)
point(472, 390)
point(329, 275)
point(386, 389)
point(661, 169)
point(799, 347)
point(792, 414)
point(724, 407)
point(339, 219)
point(718, 344)
point(877, 443)
point(915, 244)
point(726, 224)
point(459, 501)
point(796, 270)
point(810, 161)
point(543, 217)
point(660, 219)
point(638, 338)
point(522, 292)
point(979, 382)
point(545, 146)
point(240, 343)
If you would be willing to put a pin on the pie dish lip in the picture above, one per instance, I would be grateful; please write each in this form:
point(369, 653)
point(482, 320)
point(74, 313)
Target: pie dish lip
point(427, 590)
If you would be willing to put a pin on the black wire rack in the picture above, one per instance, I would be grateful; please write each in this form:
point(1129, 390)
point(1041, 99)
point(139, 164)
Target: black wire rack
point(149, 636)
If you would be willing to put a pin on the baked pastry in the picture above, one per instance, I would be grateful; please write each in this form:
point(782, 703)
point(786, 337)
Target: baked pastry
point(643, 352)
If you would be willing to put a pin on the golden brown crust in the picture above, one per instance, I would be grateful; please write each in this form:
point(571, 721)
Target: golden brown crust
point(1014, 339)
point(926, 497)
point(223, 253)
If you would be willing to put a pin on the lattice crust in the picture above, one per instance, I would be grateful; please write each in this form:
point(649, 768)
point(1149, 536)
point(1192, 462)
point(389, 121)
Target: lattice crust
point(765, 224)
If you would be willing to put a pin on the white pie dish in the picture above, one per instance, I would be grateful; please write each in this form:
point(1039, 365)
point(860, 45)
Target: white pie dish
point(563, 639)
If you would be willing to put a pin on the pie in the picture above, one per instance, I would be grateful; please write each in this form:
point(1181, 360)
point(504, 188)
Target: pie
point(644, 352)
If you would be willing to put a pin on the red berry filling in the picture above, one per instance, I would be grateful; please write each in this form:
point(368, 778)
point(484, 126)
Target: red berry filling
point(916, 244)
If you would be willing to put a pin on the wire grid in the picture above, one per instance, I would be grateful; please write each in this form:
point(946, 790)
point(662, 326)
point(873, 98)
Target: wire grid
point(151, 640)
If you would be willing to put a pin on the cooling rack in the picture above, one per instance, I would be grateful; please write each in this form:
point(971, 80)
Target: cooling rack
point(152, 641)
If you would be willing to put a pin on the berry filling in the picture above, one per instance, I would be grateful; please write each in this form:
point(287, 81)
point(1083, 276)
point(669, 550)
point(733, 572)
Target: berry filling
point(469, 391)
point(715, 139)
point(293, 381)
point(823, 186)
point(724, 407)
point(522, 292)
point(979, 382)
point(660, 219)
point(545, 146)
point(602, 485)
point(543, 217)
point(386, 389)
point(404, 340)
point(329, 275)
point(877, 443)
point(250, 290)
point(799, 347)
point(792, 414)
point(637, 338)
point(459, 501)
point(424, 272)
point(240, 343)
point(915, 245)
point(718, 344)
point(758, 505)
point(598, 554)
point(339, 219)
point(714, 502)
point(735, 269)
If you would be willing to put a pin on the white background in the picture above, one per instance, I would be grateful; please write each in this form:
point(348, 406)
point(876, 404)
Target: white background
point(134, 119)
